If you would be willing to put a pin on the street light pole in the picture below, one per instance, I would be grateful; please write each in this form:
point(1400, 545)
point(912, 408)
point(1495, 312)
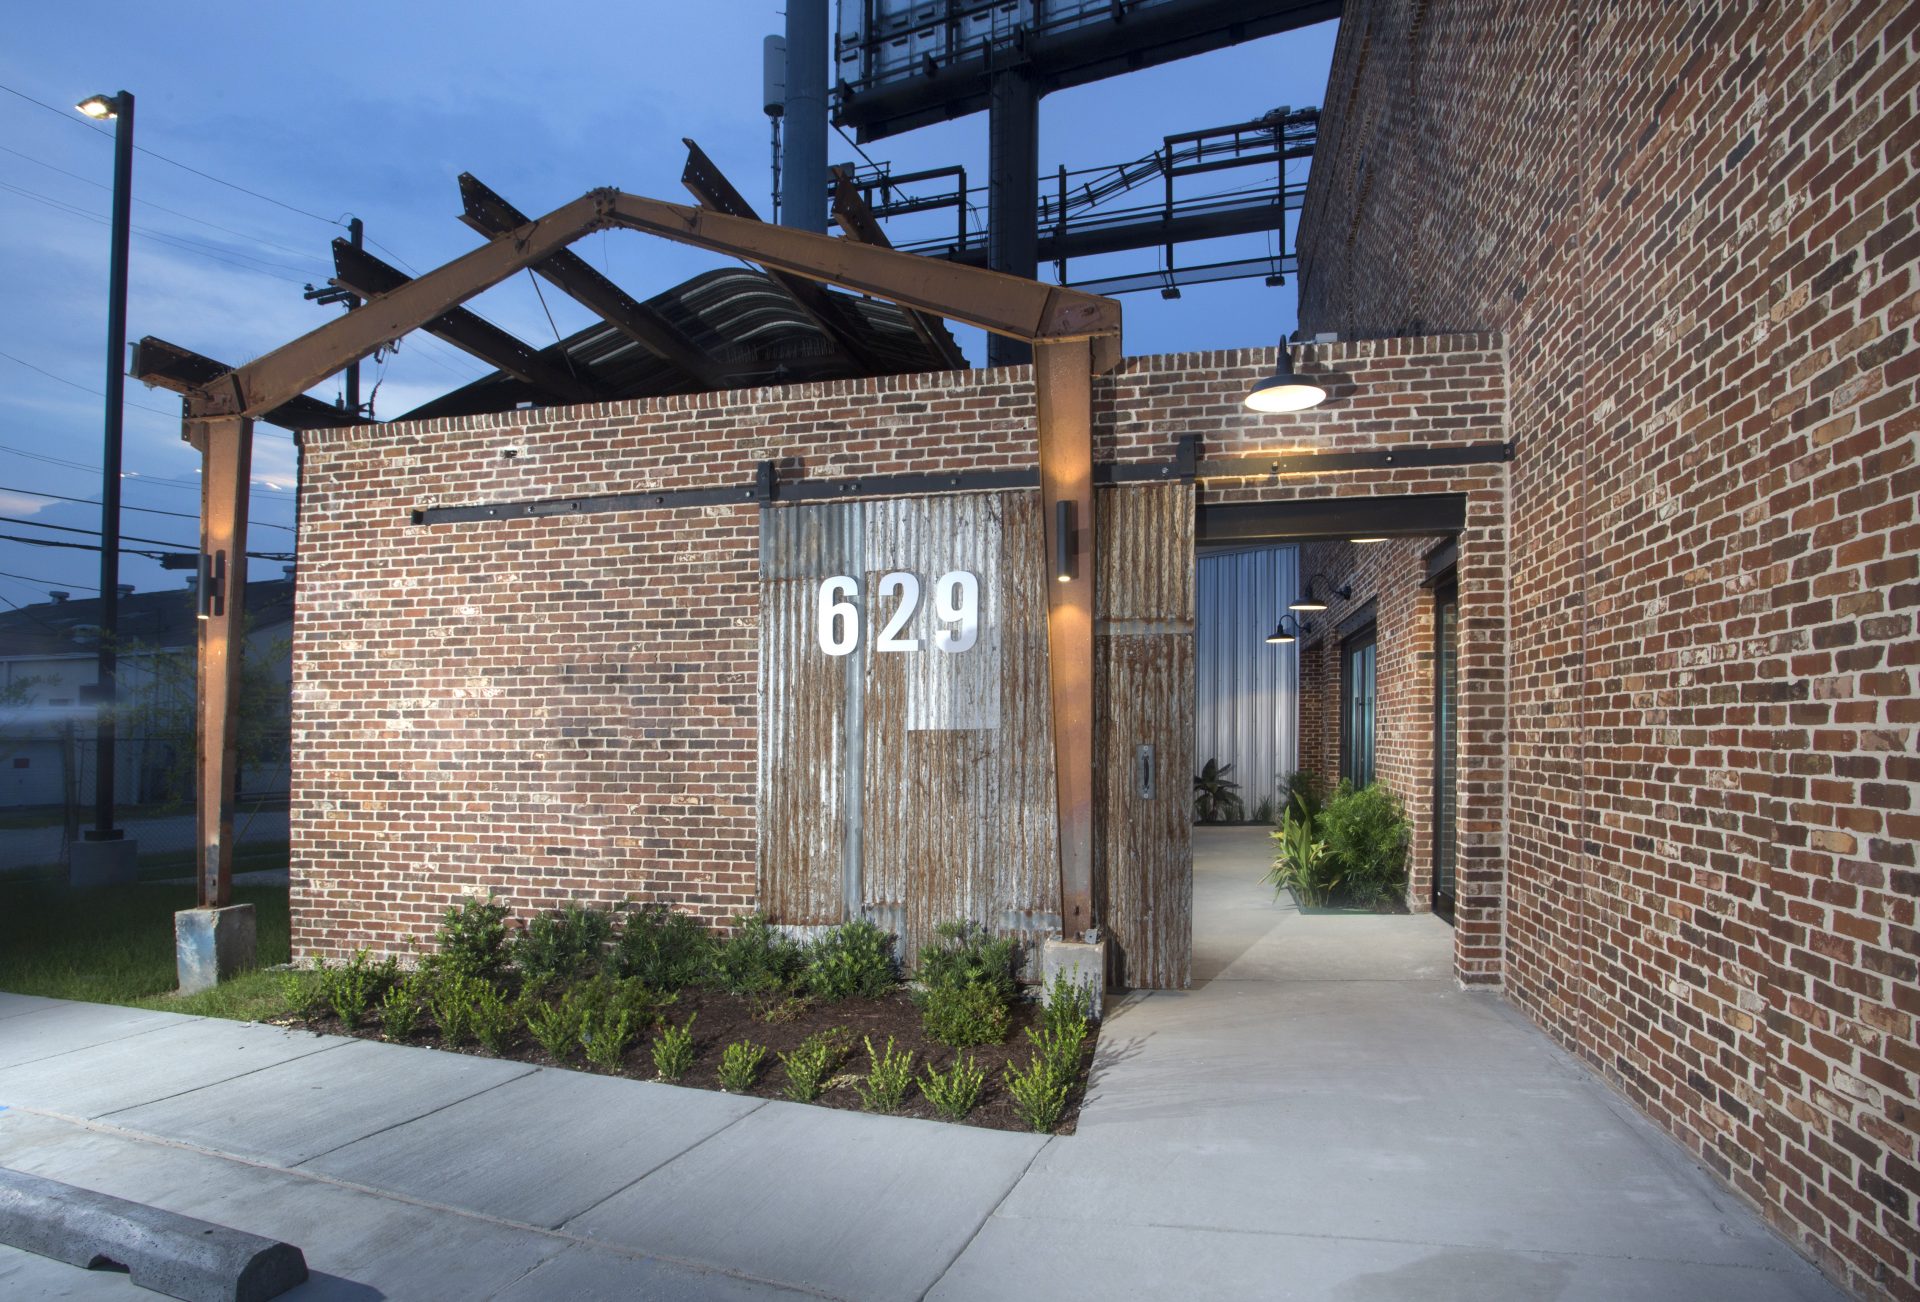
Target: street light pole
point(120, 109)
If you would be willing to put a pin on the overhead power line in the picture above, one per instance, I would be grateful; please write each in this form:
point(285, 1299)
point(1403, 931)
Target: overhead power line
point(75, 384)
point(149, 553)
point(144, 510)
point(58, 583)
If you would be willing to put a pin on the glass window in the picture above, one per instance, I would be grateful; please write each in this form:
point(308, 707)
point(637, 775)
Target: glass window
point(1357, 655)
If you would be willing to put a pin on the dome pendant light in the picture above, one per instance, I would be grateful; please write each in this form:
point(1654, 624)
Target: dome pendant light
point(1285, 390)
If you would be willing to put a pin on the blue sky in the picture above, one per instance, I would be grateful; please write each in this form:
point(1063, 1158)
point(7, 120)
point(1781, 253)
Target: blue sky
point(375, 115)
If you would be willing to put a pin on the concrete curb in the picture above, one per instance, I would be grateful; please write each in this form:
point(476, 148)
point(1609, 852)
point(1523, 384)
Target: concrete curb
point(163, 1251)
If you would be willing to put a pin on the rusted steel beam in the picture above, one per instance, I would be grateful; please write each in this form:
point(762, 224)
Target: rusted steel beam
point(707, 183)
point(1063, 380)
point(294, 368)
point(850, 210)
point(169, 366)
point(1008, 305)
point(492, 216)
point(369, 277)
point(226, 453)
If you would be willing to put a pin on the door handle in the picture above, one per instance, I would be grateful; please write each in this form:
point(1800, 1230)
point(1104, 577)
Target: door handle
point(1143, 771)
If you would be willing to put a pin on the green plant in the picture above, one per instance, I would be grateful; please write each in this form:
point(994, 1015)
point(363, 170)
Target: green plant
point(562, 946)
point(1265, 810)
point(1215, 798)
point(740, 1065)
point(673, 1050)
point(775, 1009)
point(1301, 861)
point(492, 1016)
point(605, 1034)
point(354, 987)
point(963, 955)
point(756, 959)
point(667, 950)
point(472, 940)
point(854, 958)
point(1304, 793)
point(809, 1066)
point(301, 990)
point(1039, 1091)
point(889, 1077)
point(555, 1025)
point(401, 1006)
point(955, 1091)
point(452, 1006)
point(964, 1015)
point(1367, 832)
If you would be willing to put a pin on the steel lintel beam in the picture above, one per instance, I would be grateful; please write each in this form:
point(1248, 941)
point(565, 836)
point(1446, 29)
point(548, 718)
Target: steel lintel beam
point(850, 210)
point(169, 366)
point(492, 216)
point(369, 277)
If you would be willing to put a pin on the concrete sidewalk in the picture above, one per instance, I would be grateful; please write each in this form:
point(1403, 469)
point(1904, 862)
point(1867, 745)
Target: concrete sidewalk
point(1324, 1116)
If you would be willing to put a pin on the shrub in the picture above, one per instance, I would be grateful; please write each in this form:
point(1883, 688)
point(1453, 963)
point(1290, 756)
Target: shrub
point(401, 1007)
point(756, 959)
point(1039, 1092)
point(955, 1091)
point(809, 1066)
point(452, 1005)
point(472, 940)
point(964, 1015)
point(301, 990)
point(854, 958)
point(889, 1076)
point(562, 946)
point(673, 1050)
point(355, 986)
point(963, 955)
point(774, 1009)
point(1215, 798)
point(667, 950)
point(555, 1026)
point(1367, 833)
point(493, 1016)
point(1304, 793)
point(605, 1034)
point(1301, 861)
point(740, 1065)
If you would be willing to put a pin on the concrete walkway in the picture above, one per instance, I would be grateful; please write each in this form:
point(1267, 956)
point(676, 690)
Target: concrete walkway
point(1325, 1115)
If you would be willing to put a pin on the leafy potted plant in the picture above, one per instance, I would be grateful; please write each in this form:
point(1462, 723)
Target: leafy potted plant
point(1215, 798)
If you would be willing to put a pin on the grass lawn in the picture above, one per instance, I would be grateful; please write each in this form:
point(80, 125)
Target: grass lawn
point(114, 945)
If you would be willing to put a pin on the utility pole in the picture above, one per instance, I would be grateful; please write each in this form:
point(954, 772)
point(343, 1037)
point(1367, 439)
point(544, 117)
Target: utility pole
point(114, 858)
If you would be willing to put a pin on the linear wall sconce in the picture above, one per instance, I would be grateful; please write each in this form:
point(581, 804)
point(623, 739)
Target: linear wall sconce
point(1064, 552)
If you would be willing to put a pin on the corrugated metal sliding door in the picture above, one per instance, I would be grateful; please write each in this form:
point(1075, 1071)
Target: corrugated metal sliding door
point(910, 779)
point(1144, 732)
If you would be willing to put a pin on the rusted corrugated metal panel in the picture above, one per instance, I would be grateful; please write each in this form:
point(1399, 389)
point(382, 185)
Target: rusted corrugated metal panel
point(1145, 736)
point(944, 759)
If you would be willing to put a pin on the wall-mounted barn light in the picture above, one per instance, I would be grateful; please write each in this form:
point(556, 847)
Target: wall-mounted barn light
point(1309, 601)
point(1285, 390)
point(1063, 548)
point(1291, 628)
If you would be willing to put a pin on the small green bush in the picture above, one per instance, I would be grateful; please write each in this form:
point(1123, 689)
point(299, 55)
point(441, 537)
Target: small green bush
point(810, 1066)
point(756, 959)
point(963, 955)
point(854, 958)
point(1216, 798)
point(605, 1034)
point(955, 1091)
point(562, 946)
point(301, 990)
point(740, 1065)
point(555, 1025)
point(1305, 793)
point(353, 988)
point(666, 950)
point(889, 1077)
point(777, 1008)
point(401, 1007)
point(472, 940)
point(673, 1050)
point(962, 1015)
point(1069, 1004)
point(493, 1016)
point(452, 1005)
point(1301, 861)
point(1039, 1092)
point(1367, 833)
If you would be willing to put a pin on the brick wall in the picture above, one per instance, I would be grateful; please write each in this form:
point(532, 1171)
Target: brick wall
point(564, 707)
point(1694, 225)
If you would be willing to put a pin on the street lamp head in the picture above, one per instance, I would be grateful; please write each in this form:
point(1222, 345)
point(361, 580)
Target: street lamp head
point(1284, 390)
point(100, 107)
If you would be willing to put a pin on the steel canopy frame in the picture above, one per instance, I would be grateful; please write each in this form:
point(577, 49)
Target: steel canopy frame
point(1076, 335)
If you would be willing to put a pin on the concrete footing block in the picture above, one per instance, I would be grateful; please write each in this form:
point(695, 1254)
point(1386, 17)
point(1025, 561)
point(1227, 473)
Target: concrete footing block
point(211, 945)
point(1083, 964)
point(103, 863)
point(162, 1251)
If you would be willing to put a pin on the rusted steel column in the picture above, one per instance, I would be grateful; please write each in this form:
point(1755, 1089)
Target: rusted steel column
point(226, 452)
point(1063, 379)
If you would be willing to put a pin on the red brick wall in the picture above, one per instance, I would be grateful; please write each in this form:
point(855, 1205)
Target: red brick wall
point(1694, 224)
point(560, 708)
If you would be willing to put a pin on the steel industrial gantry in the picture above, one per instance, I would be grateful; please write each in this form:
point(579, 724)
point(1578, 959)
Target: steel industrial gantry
point(1075, 336)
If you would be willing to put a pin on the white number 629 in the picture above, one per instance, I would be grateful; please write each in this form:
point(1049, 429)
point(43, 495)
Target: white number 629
point(956, 601)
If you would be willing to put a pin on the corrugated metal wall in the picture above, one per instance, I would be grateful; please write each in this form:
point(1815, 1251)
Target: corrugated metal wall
point(1247, 691)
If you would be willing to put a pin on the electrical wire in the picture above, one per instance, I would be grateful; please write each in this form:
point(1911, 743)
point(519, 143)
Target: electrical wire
point(75, 384)
point(131, 537)
point(149, 553)
point(144, 510)
point(24, 578)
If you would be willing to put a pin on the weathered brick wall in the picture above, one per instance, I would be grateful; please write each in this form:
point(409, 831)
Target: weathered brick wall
point(1388, 575)
point(565, 707)
point(1694, 224)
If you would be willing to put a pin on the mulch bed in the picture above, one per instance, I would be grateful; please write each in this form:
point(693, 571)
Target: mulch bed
point(723, 1019)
